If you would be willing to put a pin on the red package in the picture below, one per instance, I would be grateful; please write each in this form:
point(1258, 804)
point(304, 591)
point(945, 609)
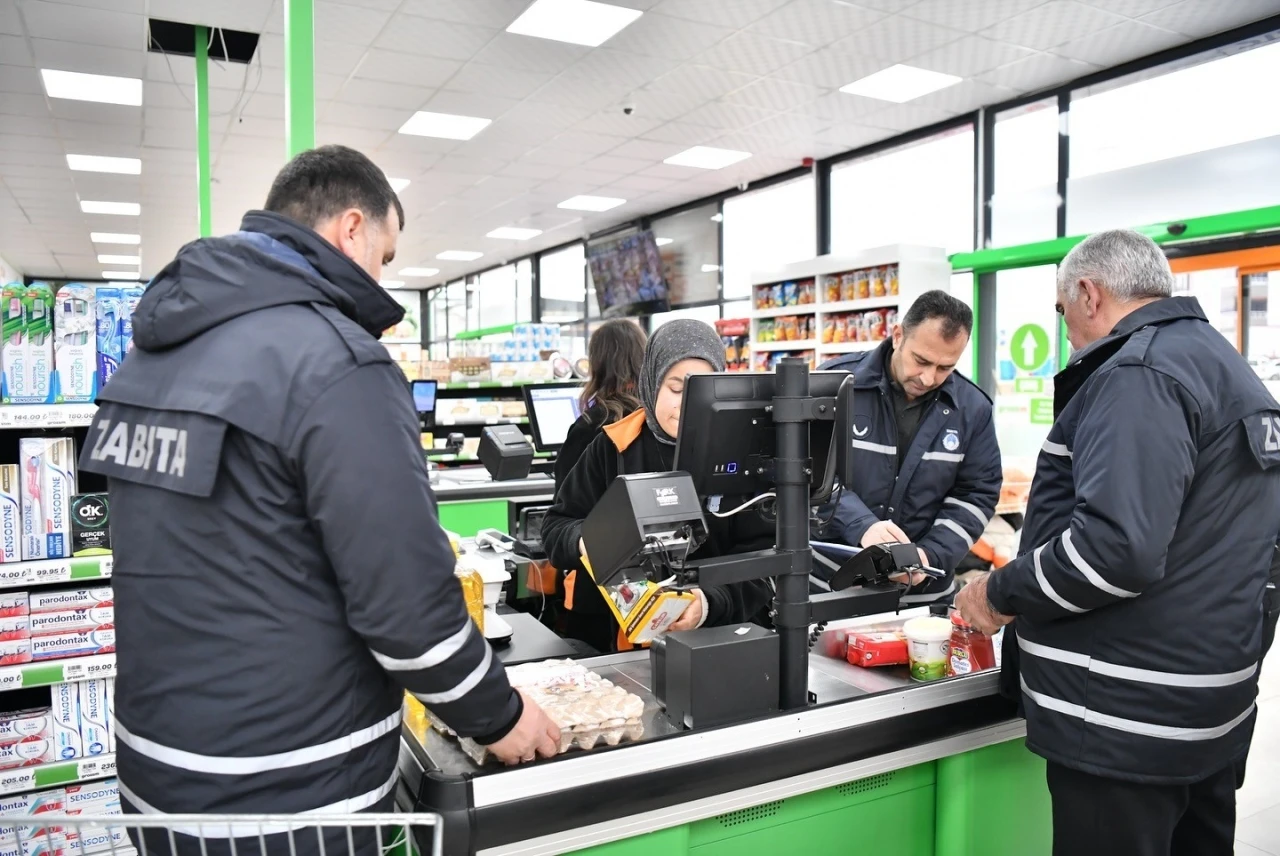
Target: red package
point(877, 649)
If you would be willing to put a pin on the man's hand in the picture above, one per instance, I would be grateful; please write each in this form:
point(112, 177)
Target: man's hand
point(534, 735)
point(916, 577)
point(691, 616)
point(884, 532)
point(977, 610)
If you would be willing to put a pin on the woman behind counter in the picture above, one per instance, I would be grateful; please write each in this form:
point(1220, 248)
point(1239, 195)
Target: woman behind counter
point(616, 353)
point(644, 442)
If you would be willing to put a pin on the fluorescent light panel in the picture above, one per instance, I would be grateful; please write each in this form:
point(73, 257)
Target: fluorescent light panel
point(119, 260)
point(96, 163)
point(578, 22)
point(514, 233)
point(710, 268)
point(446, 126)
point(900, 83)
point(707, 157)
point(459, 256)
point(392, 283)
point(591, 203)
point(102, 88)
point(114, 238)
point(419, 271)
point(399, 184)
point(662, 242)
point(121, 274)
point(128, 209)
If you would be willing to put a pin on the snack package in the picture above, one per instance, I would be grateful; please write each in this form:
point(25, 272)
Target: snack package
point(891, 279)
point(875, 278)
point(862, 284)
point(855, 330)
point(875, 325)
point(890, 321)
point(848, 288)
point(760, 361)
point(789, 294)
point(832, 288)
point(828, 329)
point(777, 299)
point(806, 293)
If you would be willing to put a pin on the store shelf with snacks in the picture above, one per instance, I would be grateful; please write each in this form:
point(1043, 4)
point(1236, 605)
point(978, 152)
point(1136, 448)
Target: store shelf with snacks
point(839, 304)
point(16, 575)
point(46, 673)
point(19, 780)
point(35, 416)
point(452, 386)
point(451, 422)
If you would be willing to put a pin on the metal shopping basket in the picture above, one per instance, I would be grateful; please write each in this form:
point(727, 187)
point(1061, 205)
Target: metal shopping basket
point(419, 834)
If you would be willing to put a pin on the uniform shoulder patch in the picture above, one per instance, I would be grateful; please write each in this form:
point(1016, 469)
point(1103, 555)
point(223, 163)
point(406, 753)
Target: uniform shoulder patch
point(173, 450)
point(1263, 429)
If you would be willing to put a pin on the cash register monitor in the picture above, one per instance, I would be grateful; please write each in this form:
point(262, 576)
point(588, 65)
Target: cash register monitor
point(424, 401)
point(552, 407)
point(727, 433)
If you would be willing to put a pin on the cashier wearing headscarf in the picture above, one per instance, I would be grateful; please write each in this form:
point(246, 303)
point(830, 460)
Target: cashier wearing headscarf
point(645, 442)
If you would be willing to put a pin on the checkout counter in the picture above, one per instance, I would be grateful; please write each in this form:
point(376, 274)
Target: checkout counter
point(872, 763)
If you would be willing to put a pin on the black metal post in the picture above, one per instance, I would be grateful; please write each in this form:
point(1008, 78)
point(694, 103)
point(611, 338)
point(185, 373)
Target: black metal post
point(791, 601)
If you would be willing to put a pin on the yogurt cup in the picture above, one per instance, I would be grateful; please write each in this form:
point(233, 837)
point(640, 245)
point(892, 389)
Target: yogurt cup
point(928, 647)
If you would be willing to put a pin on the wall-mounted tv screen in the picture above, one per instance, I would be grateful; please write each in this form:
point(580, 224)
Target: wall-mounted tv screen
point(628, 277)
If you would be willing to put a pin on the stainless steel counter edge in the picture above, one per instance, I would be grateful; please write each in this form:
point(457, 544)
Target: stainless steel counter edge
point(695, 746)
point(628, 827)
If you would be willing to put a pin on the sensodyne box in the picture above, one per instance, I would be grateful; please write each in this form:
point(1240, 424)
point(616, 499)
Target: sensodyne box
point(94, 722)
point(48, 483)
point(66, 722)
point(10, 514)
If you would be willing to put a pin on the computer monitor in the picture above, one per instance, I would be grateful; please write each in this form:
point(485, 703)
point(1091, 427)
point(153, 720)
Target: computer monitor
point(424, 396)
point(552, 408)
point(727, 433)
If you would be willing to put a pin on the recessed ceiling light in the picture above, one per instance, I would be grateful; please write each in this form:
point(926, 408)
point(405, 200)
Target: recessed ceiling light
point(129, 209)
point(119, 260)
point(591, 203)
point(114, 238)
point(900, 83)
point(399, 184)
point(92, 87)
point(578, 22)
point(95, 163)
point(444, 125)
point(419, 271)
point(514, 233)
point(707, 157)
point(662, 242)
point(459, 256)
point(710, 268)
point(392, 283)
point(121, 274)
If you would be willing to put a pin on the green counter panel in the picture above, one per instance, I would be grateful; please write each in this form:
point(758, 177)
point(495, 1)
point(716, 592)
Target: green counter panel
point(996, 802)
point(468, 517)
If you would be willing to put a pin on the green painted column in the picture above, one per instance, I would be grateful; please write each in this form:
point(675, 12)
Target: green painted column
point(299, 76)
point(204, 190)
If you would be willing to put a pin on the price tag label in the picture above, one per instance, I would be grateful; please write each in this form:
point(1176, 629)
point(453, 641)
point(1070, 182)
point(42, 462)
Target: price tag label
point(105, 564)
point(508, 383)
point(10, 678)
point(473, 384)
point(74, 672)
point(12, 576)
point(492, 421)
point(13, 781)
point(107, 766)
point(53, 572)
point(100, 670)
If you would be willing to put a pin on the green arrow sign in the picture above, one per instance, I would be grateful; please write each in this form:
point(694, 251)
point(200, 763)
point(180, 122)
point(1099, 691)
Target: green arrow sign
point(1029, 347)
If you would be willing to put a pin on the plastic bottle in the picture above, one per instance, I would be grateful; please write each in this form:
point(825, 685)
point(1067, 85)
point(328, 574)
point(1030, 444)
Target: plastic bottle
point(971, 650)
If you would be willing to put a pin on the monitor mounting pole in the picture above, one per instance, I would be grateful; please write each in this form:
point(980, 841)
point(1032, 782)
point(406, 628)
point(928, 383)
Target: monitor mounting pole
point(791, 610)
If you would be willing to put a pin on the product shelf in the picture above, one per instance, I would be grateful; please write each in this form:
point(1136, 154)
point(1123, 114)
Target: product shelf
point(22, 779)
point(861, 305)
point(448, 458)
point(46, 415)
point(494, 420)
point(805, 345)
point(779, 311)
point(849, 347)
point(490, 384)
point(48, 672)
point(17, 575)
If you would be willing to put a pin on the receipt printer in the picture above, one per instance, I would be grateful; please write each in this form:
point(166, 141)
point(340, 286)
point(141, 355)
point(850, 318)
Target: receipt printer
point(716, 675)
point(505, 452)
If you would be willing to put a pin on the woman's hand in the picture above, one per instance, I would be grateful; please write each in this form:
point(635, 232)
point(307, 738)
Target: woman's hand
point(692, 615)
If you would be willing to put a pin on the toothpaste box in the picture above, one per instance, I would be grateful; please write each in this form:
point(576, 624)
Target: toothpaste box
point(43, 838)
point(79, 643)
point(14, 652)
point(26, 738)
point(90, 524)
point(18, 724)
point(66, 722)
point(48, 483)
point(66, 621)
point(15, 627)
point(10, 513)
point(94, 722)
point(60, 601)
point(14, 603)
point(111, 715)
point(130, 295)
point(75, 326)
point(100, 799)
point(108, 309)
point(16, 804)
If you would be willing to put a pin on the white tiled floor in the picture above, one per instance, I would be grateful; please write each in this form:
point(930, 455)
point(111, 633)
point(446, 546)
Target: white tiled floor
point(1258, 803)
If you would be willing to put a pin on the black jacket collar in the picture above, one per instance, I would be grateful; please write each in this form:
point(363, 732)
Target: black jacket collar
point(873, 371)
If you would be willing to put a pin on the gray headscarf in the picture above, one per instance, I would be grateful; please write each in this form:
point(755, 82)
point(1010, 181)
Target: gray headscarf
point(682, 339)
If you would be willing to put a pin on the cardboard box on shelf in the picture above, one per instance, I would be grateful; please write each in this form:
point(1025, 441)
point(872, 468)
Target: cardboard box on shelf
point(15, 627)
point(72, 620)
point(15, 652)
point(90, 524)
point(10, 513)
point(26, 738)
point(66, 722)
point(48, 483)
point(14, 603)
point(94, 720)
point(60, 600)
point(80, 643)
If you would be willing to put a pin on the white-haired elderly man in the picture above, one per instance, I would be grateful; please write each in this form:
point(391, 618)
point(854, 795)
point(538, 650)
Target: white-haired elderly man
point(1137, 605)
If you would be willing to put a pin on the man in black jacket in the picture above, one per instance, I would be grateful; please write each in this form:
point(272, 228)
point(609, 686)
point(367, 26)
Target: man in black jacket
point(281, 577)
point(1148, 541)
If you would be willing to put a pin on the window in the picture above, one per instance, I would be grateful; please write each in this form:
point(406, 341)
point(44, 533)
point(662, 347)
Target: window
point(1024, 200)
point(962, 287)
point(1184, 143)
point(498, 296)
point(690, 246)
point(524, 290)
point(921, 193)
point(456, 295)
point(563, 280)
point(766, 229)
point(1026, 361)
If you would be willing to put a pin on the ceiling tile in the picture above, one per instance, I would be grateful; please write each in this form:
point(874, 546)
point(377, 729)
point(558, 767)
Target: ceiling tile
point(702, 82)
point(427, 37)
point(23, 105)
point(846, 137)
point(536, 171)
point(1119, 44)
point(733, 13)
point(970, 56)
point(1037, 72)
point(497, 80)
point(399, 67)
point(90, 59)
point(681, 133)
point(10, 23)
point(350, 25)
point(789, 124)
point(754, 54)
point(971, 17)
point(772, 94)
point(1198, 18)
point(81, 132)
point(965, 96)
point(587, 144)
point(613, 121)
point(20, 79)
point(385, 94)
point(1130, 8)
point(363, 139)
point(664, 36)
point(487, 13)
point(831, 68)
point(816, 22)
point(648, 150)
point(726, 116)
point(469, 104)
point(897, 39)
point(842, 107)
point(1052, 24)
point(84, 26)
point(906, 117)
point(528, 54)
point(618, 165)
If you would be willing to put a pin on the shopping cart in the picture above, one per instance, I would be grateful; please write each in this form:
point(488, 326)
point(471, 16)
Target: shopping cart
point(223, 835)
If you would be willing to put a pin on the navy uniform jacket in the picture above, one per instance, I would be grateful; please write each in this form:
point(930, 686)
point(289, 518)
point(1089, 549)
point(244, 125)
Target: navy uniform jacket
point(1149, 536)
point(946, 490)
